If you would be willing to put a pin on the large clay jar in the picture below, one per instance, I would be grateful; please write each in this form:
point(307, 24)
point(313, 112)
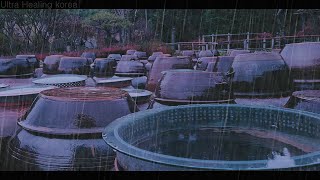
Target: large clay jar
point(130, 69)
point(261, 74)
point(33, 61)
point(128, 57)
point(140, 55)
point(303, 60)
point(117, 57)
point(151, 59)
point(74, 65)
point(15, 68)
point(130, 52)
point(223, 64)
point(15, 72)
point(164, 64)
point(190, 86)
point(51, 64)
point(203, 62)
point(62, 129)
point(189, 53)
point(88, 55)
point(21, 96)
point(307, 100)
point(104, 67)
point(206, 53)
point(205, 137)
point(235, 52)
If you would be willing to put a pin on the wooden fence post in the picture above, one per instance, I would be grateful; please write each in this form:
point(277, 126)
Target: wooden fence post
point(229, 37)
point(248, 39)
point(264, 41)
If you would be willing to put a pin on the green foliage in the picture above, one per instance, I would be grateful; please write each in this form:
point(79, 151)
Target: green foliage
point(31, 30)
point(107, 21)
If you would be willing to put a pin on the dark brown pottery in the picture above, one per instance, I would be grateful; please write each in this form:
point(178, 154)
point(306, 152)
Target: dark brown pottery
point(307, 100)
point(223, 64)
point(164, 64)
point(62, 129)
point(260, 74)
point(130, 69)
point(178, 87)
point(303, 60)
point(74, 65)
point(15, 68)
point(117, 57)
point(104, 67)
point(130, 51)
point(51, 64)
point(34, 62)
point(88, 55)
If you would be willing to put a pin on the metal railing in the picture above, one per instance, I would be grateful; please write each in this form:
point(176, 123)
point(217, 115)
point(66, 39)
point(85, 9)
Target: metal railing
point(249, 41)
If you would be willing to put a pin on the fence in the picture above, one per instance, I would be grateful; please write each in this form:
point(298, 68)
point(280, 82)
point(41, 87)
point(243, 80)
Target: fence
point(249, 41)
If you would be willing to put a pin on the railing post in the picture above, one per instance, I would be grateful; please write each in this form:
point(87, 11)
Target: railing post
point(318, 39)
point(264, 41)
point(248, 39)
point(272, 43)
point(278, 41)
point(179, 47)
point(229, 41)
point(212, 39)
point(192, 46)
point(215, 41)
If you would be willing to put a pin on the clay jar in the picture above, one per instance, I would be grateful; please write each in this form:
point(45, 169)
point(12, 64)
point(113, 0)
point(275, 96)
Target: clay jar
point(130, 69)
point(104, 67)
point(190, 86)
point(223, 64)
point(88, 55)
point(303, 60)
point(307, 100)
point(235, 52)
point(130, 52)
point(15, 68)
point(140, 55)
point(33, 61)
point(260, 74)
point(203, 62)
point(62, 129)
point(128, 57)
point(117, 57)
point(51, 64)
point(74, 65)
point(164, 64)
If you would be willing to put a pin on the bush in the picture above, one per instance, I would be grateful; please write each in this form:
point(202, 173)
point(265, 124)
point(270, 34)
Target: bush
point(153, 46)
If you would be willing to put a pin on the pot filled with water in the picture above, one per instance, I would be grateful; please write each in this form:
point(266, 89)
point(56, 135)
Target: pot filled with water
point(216, 137)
